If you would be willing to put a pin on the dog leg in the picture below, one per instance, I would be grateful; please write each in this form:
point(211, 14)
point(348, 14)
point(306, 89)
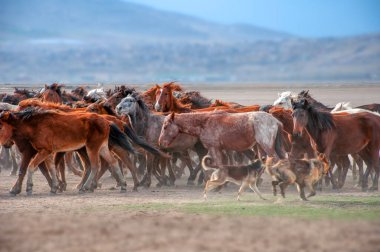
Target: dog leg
point(244, 185)
point(274, 184)
point(211, 184)
point(256, 190)
point(283, 186)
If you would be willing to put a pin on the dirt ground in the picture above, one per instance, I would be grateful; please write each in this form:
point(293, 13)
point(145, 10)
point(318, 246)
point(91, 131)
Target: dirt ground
point(108, 220)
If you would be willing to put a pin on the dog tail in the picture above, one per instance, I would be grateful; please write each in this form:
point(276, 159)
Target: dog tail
point(206, 163)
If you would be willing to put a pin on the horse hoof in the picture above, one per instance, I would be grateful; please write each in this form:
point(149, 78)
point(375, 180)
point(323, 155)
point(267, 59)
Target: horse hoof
point(123, 190)
point(134, 189)
point(52, 193)
point(29, 193)
point(158, 184)
point(81, 191)
point(373, 188)
point(13, 194)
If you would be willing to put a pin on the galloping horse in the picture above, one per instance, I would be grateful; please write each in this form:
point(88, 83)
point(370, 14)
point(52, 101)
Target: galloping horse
point(149, 126)
point(341, 134)
point(50, 132)
point(224, 131)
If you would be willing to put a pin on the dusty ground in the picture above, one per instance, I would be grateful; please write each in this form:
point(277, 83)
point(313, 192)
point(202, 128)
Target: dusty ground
point(173, 218)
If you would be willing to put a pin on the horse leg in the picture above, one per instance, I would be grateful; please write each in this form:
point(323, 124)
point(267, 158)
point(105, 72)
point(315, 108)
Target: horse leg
point(87, 168)
point(93, 155)
point(27, 155)
point(36, 160)
point(69, 158)
point(106, 154)
point(283, 185)
point(187, 161)
point(244, 185)
point(147, 180)
point(345, 162)
point(365, 155)
point(254, 188)
point(59, 163)
point(375, 167)
point(124, 157)
point(14, 162)
point(354, 168)
point(172, 177)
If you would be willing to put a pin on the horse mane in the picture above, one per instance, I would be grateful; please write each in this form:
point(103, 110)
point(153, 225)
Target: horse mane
point(318, 120)
point(140, 101)
point(174, 86)
point(56, 87)
point(266, 108)
point(176, 102)
point(151, 91)
point(79, 91)
point(33, 102)
point(304, 94)
point(195, 98)
point(27, 93)
point(278, 109)
point(218, 102)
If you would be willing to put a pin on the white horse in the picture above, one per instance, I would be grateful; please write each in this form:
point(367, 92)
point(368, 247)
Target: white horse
point(7, 106)
point(345, 107)
point(284, 99)
point(96, 94)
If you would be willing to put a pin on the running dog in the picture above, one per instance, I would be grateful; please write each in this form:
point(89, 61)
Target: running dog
point(302, 172)
point(243, 175)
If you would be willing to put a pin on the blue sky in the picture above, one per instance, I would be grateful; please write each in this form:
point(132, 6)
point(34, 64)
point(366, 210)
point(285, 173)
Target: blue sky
point(309, 18)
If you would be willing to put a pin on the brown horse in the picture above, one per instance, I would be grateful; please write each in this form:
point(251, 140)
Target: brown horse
point(166, 102)
point(49, 132)
point(341, 134)
point(114, 145)
point(224, 131)
point(52, 93)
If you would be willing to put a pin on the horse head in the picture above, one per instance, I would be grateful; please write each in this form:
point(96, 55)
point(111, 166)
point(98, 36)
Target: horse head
point(169, 131)
point(164, 98)
point(300, 116)
point(284, 100)
point(6, 129)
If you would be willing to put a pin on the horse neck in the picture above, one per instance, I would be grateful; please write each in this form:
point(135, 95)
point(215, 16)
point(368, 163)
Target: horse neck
point(176, 106)
point(141, 120)
point(191, 123)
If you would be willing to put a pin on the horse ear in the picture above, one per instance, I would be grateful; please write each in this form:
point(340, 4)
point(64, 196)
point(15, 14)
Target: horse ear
point(172, 116)
point(279, 95)
point(46, 86)
point(5, 116)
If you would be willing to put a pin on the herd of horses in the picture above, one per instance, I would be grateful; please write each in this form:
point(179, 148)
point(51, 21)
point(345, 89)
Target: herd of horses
point(166, 129)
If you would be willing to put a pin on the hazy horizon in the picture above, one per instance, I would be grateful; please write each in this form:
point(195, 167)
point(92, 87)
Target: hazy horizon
point(339, 18)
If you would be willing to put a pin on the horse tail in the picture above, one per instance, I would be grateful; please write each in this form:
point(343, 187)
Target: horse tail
point(117, 137)
point(278, 145)
point(206, 163)
point(141, 142)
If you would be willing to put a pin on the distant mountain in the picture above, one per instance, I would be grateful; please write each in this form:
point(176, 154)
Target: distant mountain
point(75, 41)
point(114, 19)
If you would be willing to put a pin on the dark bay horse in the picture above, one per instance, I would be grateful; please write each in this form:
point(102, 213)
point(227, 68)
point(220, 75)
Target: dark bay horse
point(341, 134)
point(224, 131)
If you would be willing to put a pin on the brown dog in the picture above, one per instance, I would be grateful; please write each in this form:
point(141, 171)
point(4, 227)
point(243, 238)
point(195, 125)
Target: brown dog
point(244, 176)
point(302, 172)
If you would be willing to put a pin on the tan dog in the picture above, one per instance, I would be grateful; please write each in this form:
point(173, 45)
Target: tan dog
point(245, 175)
point(302, 172)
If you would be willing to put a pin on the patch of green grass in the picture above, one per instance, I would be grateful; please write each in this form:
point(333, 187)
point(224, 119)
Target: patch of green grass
point(321, 207)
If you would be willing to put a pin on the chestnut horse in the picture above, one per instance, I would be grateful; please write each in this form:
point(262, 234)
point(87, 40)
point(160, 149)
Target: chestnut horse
point(224, 131)
point(50, 132)
point(341, 134)
point(166, 102)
